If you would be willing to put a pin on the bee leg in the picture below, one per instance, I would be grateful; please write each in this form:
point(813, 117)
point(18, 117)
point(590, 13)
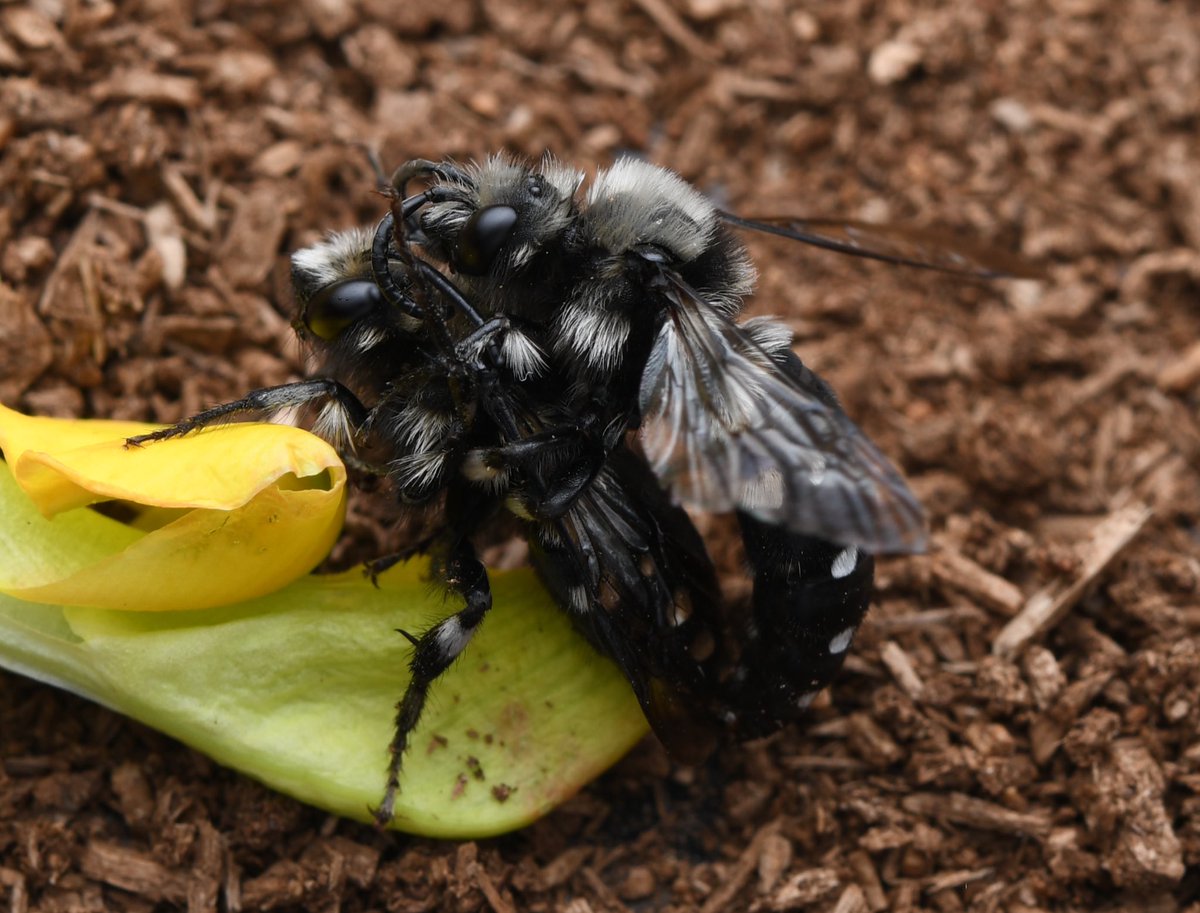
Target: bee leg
point(376, 566)
point(433, 653)
point(352, 461)
point(346, 409)
point(810, 596)
point(554, 466)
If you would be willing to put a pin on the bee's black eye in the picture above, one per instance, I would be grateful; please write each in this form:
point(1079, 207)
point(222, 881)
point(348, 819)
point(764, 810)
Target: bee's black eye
point(336, 306)
point(482, 237)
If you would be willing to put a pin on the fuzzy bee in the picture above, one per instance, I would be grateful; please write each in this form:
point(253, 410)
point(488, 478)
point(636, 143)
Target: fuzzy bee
point(503, 343)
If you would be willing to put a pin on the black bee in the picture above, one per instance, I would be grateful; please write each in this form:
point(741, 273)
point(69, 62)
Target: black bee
point(508, 345)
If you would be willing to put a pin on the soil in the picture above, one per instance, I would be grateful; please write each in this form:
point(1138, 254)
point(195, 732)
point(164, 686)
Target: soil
point(1016, 728)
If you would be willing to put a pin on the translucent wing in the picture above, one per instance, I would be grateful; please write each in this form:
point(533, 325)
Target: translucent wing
point(925, 248)
point(727, 426)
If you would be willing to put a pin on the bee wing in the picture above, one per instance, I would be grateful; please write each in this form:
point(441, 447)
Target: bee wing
point(633, 572)
point(925, 248)
point(726, 426)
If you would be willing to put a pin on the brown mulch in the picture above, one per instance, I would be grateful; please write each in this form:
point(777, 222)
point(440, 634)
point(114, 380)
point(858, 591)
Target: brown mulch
point(1016, 728)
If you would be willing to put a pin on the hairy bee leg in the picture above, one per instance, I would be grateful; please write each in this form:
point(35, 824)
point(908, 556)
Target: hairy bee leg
point(554, 466)
point(482, 336)
point(366, 468)
point(376, 566)
point(350, 411)
point(810, 596)
point(432, 655)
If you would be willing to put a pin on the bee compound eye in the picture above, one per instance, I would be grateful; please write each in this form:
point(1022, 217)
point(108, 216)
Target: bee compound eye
point(482, 237)
point(335, 307)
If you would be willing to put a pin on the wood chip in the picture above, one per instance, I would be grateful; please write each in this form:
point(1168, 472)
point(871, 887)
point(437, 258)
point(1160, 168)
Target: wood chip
point(774, 861)
point(1182, 373)
point(564, 865)
point(677, 30)
point(820, 762)
point(166, 237)
point(150, 88)
point(490, 892)
point(929, 618)
point(740, 874)
point(202, 215)
point(892, 655)
point(852, 900)
point(804, 888)
point(1047, 607)
point(1147, 853)
point(602, 891)
point(249, 250)
point(1045, 678)
point(868, 878)
point(18, 893)
point(134, 872)
point(963, 575)
point(1046, 730)
point(959, 808)
point(1093, 387)
point(871, 741)
point(948, 880)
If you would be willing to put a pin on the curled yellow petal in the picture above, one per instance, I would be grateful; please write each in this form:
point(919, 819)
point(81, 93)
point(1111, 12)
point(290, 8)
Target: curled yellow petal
point(259, 506)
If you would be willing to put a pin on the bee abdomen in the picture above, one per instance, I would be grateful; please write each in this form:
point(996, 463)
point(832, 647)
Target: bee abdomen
point(810, 596)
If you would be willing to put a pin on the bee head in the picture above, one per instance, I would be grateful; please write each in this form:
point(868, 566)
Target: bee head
point(503, 215)
point(335, 291)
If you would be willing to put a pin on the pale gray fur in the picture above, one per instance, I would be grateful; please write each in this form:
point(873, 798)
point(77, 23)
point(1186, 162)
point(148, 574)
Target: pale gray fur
point(333, 425)
point(522, 355)
point(577, 599)
point(594, 336)
point(452, 636)
point(841, 642)
point(418, 428)
point(368, 338)
point(419, 470)
point(769, 334)
point(561, 176)
point(634, 202)
point(446, 218)
point(340, 255)
point(844, 563)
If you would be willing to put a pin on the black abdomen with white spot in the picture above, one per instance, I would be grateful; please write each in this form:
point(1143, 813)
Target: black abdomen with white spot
point(810, 596)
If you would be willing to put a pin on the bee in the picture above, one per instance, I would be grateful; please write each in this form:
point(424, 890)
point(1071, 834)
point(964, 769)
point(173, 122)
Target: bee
point(508, 345)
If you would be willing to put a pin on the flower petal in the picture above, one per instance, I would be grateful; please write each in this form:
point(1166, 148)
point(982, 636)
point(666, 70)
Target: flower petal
point(63, 463)
point(268, 503)
point(297, 689)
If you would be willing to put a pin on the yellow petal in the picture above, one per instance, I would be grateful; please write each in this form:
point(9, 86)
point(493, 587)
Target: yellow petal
point(63, 464)
point(264, 504)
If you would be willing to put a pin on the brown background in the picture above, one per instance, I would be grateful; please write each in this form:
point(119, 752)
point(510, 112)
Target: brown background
point(158, 160)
